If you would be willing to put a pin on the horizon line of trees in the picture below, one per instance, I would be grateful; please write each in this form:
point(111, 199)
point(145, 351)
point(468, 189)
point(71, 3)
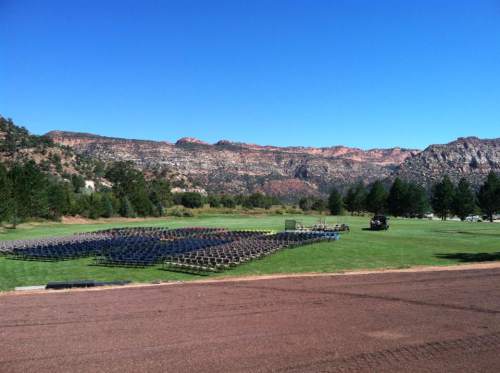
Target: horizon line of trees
point(406, 199)
point(27, 192)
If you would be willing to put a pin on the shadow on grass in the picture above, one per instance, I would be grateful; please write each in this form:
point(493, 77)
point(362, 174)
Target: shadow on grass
point(488, 233)
point(187, 271)
point(374, 230)
point(471, 257)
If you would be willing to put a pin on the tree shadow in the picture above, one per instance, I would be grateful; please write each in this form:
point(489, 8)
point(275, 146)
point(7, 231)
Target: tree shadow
point(471, 257)
point(487, 233)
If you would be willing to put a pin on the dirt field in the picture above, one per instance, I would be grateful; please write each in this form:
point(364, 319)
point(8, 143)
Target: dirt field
point(422, 321)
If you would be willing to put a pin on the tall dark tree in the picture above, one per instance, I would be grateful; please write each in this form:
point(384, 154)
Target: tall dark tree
point(57, 200)
point(191, 200)
point(160, 195)
point(335, 202)
point(95, 205)
point(239, 199)
point(214, 201)
point(354, 200)
point(78, 182)
point(257, 200)
point(376, 199)
point(319, 205)
point(227, 201)
point(106, 206)
point(305, 203)
point(5, 195)
point(397, 200)
point(417, 200)
point(129, 182)
point(141, 202)
point(29, 191)
point(442, 197)
point(488, 196)
point(126, 208)
point(463, 200)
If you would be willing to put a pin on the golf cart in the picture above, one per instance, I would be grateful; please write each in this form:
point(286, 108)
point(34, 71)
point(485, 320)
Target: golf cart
point(379, 222)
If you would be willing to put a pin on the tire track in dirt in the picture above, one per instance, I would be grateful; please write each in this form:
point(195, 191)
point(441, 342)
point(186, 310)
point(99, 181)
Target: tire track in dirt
point(403, 355)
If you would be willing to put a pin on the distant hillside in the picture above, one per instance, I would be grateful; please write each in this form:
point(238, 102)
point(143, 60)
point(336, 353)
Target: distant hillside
point(237, 168)
point(17, 145)
point(468, 157)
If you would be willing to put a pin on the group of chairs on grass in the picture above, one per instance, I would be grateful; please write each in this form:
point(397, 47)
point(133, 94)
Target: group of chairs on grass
point(225, 256)
point(54, 248)
point(196, 249)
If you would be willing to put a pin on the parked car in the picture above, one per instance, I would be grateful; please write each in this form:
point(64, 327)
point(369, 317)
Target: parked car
point(379, 222)
point(473, 219)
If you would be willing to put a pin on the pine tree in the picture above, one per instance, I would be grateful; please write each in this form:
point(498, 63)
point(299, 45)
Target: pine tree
point(130, 183)
point(489, 196)
point(56, 200)
point(335, 202)
point(95, 205)
point(5, 195)
point(214, 201)
point(397, 200)
point(106, 206)
point(142, 204)
point(355, 198)
point(417, 200)
point(160, 195)
point(227, 201)
point(305, 203)
point(191, 200)
point(319, 204)
point(29, 186)
point(376, 199)
point(463, 200)
point(126, 208)
point(442, 197)
point(78, 182)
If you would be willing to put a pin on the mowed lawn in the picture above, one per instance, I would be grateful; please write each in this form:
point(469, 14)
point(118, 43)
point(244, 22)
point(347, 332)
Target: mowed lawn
point(407, 243)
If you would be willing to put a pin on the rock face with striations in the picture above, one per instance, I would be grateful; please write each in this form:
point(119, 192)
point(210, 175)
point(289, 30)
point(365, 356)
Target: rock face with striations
point(288, 172)
point(468, 157)
point(230, 167)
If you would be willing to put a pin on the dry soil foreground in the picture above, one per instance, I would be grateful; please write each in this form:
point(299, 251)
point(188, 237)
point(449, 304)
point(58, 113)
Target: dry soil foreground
point(423, 321)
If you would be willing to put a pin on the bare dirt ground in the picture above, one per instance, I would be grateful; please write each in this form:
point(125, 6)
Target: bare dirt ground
point(413, 321)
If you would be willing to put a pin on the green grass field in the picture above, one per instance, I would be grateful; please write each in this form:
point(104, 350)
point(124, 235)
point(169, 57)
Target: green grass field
point(408, 243)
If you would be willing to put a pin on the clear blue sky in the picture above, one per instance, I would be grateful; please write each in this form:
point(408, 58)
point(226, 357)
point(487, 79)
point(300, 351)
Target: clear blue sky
point(309, 72)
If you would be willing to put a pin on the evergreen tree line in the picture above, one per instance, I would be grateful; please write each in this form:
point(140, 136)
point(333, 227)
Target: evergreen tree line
point(461, 200)
point(27, 192)
point(406, 199)
point(402, 199)
point(254, 200)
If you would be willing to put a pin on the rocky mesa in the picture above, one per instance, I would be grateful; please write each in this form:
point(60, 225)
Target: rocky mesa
point(287, 172)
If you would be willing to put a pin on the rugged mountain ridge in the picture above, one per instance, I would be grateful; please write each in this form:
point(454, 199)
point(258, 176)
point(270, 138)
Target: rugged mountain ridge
point(288, 172)
point(243, 168)
point(468, 157)
point(17, 144)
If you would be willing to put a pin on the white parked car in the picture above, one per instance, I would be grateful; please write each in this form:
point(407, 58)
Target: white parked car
point(473, 219)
